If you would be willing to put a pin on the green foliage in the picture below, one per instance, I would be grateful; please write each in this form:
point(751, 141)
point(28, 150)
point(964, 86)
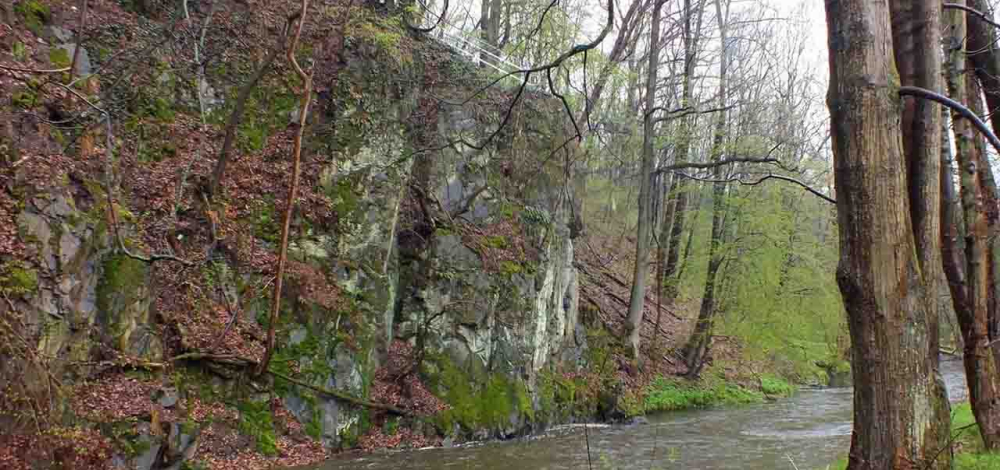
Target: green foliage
point(534, 216)
point(19, 51)
point(17, 279)
point(24, 99)
point(267, 224)
point(776, 386)
point(673, 394)
point(977, 461)
point(34, 13)
point(256, 422)
point(314, 428)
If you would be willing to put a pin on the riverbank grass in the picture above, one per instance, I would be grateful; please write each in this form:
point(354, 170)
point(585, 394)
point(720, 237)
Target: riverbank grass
point(968, 444)
point(672, 394)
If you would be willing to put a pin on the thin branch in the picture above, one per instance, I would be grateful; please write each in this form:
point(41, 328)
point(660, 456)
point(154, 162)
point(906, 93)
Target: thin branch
point(444, 12)
point(685, 111)
point(552, 87)
point(983, 16)
point(109, 150)
point(79, 40)
point(341, 395)
point(234, 119)
point(769, 176)
point(724, 161)
point(19, 69)
point(304, 101)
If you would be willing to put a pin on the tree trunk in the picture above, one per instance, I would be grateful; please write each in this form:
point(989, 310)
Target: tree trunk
point(700, 340)
point(896, 417)
point(972, 298)
point(916, 29)
point(678, 195)
point(985, 58)
point(638, 296)
point(991, 205)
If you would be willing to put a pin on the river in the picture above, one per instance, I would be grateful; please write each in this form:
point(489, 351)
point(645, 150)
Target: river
point(811, 429)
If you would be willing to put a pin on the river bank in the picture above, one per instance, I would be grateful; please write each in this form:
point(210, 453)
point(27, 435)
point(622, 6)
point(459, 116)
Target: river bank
point(808, 430)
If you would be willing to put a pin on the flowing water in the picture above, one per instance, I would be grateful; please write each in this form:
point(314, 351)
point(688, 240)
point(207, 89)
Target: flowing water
point(811, 429)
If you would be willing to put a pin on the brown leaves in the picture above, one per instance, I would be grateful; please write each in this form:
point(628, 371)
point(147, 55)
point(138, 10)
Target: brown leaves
point(114, 398)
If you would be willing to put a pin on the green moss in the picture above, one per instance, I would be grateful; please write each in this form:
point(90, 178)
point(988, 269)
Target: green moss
point(495, 241)
point(17, 279)
point(34, 13)
point(59, 57)
point(478, 404)
point(977, 461)
point(19, 51)
point(121, 276)
point(560, 397)
point(119, 285)
point(267, 224)
point(256, 421)
point(345, 200)
point(510, 268)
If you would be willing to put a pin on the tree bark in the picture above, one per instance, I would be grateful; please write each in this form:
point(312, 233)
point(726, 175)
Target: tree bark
point(970, 295)
point(985, 57)
point(916, 28)
point(991, 204)
point(879, 275)
point(643, 233)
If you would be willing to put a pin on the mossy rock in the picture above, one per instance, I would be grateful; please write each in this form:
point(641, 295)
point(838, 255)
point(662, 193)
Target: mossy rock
point(121, 297)
point(17, 279)
point(34, 13)
point(486, 404)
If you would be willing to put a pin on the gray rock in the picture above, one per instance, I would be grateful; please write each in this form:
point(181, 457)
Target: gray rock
point(69, 246)
point(297, 336)
point(167, 397)
point(37, 227)
point(147, 459)
point(83, 66)
point(61, 207)
point(56, 34)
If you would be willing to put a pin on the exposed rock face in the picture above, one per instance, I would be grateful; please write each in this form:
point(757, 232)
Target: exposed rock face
point(83, 286)
point(452, 251)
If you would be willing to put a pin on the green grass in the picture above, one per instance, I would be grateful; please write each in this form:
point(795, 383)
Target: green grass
point(776, 386)
point(672, 395)
point(972, 455)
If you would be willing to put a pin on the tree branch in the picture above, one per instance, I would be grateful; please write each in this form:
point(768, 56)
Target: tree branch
point(304, 101)
point(341, 395)
point(769, 176)
point(444, 12)
point(982, 16)
point(724, 161)
point(955, 106)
